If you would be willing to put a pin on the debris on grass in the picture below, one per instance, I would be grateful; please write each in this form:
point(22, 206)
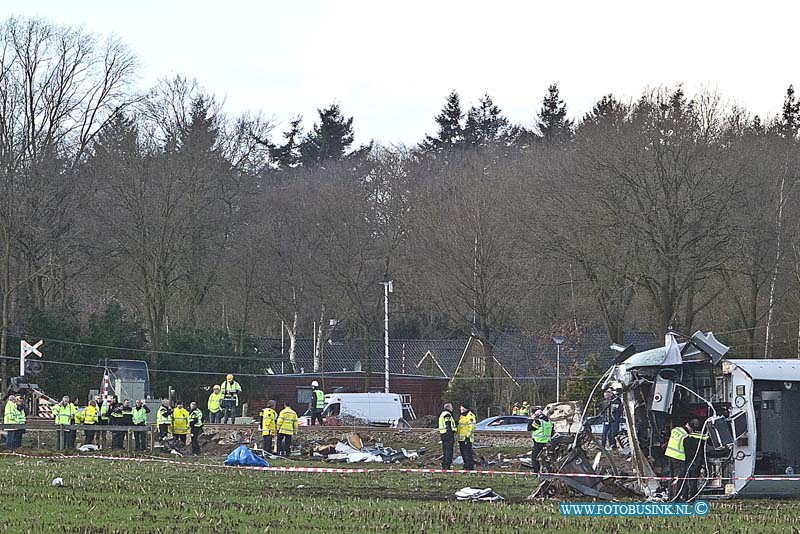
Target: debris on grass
point(478, 494)
point(354, 451)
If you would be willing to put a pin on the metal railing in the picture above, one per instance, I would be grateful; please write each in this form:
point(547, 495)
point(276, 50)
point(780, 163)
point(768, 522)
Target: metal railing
point(100, 433)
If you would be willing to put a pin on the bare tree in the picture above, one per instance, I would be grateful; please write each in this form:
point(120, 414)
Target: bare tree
point(664, 167)
point(59, 87)
point(467, 226)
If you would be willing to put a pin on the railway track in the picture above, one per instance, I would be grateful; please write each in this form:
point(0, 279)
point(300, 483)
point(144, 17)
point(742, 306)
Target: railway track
point(39, 423)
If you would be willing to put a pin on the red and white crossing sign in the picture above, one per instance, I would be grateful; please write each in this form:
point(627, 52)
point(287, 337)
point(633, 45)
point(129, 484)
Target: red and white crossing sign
point(26, 348)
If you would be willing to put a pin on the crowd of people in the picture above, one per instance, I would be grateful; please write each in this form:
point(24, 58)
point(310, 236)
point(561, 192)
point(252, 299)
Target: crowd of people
point(173, 423)
point(176, 423)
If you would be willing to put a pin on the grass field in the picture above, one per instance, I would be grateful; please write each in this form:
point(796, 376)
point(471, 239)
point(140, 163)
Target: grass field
point(104, 496)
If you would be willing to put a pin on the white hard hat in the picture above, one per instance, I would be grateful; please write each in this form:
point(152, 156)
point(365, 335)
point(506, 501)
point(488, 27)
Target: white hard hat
point(315, 384)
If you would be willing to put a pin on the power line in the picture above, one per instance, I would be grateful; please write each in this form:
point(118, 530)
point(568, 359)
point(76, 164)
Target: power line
point(754, 328)
point(267, 375)
point(174, 371)
point(144, 351)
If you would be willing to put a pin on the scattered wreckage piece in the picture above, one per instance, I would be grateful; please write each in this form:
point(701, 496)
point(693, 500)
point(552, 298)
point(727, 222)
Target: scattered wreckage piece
point(478, 494)
point(573, 459)
point(354, 451)
point(565, 416)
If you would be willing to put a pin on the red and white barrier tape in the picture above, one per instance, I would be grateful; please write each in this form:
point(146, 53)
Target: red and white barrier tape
point(368, 470)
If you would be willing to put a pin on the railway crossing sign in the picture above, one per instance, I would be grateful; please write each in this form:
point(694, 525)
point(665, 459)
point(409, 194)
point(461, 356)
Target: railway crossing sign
point(26, 348)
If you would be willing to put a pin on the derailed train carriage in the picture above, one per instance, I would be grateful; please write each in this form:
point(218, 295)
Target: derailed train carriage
point(750, 410)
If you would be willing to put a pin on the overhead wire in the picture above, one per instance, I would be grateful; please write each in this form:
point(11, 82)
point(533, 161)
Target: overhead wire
point(173, 371)
point(143, 351)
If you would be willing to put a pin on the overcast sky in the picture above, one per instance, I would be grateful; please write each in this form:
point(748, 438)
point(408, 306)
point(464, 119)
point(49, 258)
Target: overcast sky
point(390, 63)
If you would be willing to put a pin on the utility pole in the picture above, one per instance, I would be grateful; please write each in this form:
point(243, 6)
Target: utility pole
point(388, 287)
point(558, 340)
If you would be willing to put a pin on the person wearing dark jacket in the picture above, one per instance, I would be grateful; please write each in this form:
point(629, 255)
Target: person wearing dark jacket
point(612, 415)
point(447, 433)
point(116, 417)
point(317, 403)
point(127, 413)
point(195, 426)
point(164, 419)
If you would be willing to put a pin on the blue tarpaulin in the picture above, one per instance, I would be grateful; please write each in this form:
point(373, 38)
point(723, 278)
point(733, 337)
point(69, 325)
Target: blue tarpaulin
point(245, 457)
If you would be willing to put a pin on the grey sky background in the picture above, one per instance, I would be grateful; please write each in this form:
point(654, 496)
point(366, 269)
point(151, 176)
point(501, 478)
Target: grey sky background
point(390, 64)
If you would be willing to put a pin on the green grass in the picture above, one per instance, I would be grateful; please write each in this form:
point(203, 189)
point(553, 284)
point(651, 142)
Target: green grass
point(104, 496)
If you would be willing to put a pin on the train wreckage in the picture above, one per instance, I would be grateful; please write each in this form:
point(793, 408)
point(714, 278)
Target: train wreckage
point(750, 410)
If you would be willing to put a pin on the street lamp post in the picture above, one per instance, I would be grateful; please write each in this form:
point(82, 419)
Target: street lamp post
point(388, 287)
point(558, 340)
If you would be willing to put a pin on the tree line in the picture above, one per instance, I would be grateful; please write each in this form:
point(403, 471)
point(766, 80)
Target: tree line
point(176, 224)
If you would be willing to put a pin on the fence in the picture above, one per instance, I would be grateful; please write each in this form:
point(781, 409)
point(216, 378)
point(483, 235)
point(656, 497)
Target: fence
point(100, 431)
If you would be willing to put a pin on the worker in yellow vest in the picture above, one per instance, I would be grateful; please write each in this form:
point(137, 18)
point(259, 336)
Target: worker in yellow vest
point(63, 416)
point(164, 419)
point(685, 450)
point(526, 409)
point(104, 408)
point(196, 426)
point(215, 406)
point(10, 418)
point(541, 429)
point(230, 399)
point(91, 416)
point(139, 418)
point(447, 433)
point(180, 423)
point(515, 409)
point(20, 420)
point(317, 403)
point(287, 427)
point(466, 436)
point(269, 425)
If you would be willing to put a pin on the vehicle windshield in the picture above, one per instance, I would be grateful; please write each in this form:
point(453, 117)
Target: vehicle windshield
point(130, 371)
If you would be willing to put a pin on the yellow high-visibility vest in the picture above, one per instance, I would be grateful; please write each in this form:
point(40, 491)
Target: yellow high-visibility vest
point(675, 446)
point(213, 402)
point(466, 427)
point(90, 415)
point(287, 422)
point(269, 422)
point(180, 421)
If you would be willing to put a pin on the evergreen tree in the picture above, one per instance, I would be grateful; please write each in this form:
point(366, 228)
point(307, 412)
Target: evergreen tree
point(757, 127)
point(608, 111)
point(329, 139)
point(485, 123)
point(607, 107)
point(287, 155)
point(790, 116)
point(118, 140)
point(552, 120)
point(198, 139)
point(451, 132)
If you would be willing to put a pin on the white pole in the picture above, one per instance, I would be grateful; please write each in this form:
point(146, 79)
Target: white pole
point(386, 336)
point(21, 358)
point(558, 372)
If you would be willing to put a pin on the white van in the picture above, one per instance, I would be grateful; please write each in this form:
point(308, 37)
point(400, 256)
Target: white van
point(380, 409)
